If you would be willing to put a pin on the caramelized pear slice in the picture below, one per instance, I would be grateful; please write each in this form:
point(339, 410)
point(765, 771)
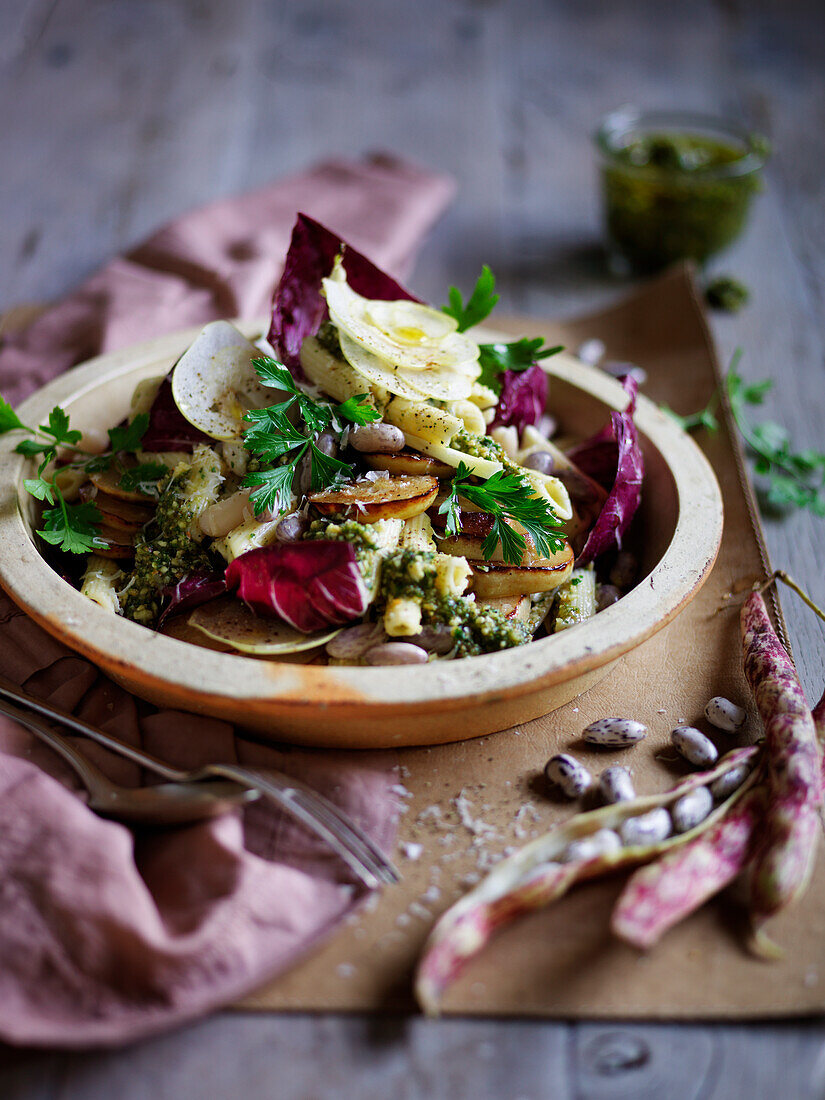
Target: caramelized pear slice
point(384, 497)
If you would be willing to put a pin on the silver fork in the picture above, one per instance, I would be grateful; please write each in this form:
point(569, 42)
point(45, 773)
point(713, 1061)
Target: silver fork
point(320, 815)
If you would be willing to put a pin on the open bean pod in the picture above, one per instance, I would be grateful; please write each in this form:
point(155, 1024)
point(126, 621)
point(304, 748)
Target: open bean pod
point(661, 894)
point(537, 875)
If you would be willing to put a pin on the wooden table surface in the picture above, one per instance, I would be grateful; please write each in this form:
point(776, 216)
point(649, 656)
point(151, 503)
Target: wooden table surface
point(119, 114)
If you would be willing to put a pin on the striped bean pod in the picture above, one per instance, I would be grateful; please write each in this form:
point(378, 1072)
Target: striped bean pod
point(661, 894)
point(536, 875)
point(784, 860)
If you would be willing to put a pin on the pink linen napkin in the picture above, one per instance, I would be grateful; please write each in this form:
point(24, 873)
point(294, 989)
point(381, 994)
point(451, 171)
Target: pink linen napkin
point(108, 935)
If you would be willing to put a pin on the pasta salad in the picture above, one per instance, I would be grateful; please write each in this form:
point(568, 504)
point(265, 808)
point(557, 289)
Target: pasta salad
point(369, 484)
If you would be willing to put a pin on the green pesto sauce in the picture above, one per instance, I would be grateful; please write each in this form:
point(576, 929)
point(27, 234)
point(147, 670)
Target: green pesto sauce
point(665, 201)
point(164, 553)
point(327, 337)
point(479, 446)
point(361, 536)
point(411, 574)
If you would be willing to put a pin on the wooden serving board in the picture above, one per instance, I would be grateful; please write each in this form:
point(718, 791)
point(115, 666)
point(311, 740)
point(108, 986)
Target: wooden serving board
point(463, 804)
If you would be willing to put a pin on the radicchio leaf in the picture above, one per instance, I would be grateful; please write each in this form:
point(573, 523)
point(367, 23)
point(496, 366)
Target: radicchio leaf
point(299, 308)
point(523, 398)
point(193, 590)
point(169, 430)
point(613, 457)
point(310, 585)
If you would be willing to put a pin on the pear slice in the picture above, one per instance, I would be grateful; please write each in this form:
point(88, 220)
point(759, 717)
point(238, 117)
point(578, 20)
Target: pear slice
point(231, 622)
point(214, 382)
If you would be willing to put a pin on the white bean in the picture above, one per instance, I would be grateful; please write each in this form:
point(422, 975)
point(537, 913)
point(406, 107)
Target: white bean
point(616, 785)
point(567, 773)
point(542, 461)
point(729, 782)
point(647, 828)
point(615, 733)
point(291, 527)
point(224, 516)
point(600, 843)
point(396, 653)
point(591, 351)
point(694, 746)
point(724, 714)
point(376, 438)
point(355, 640)
point(435, 639)
point(691, 808)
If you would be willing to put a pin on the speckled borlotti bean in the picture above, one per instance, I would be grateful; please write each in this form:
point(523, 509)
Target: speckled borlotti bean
point(647, 828)
point(724, 714)
point(694, 746)
point(731, 781)
point(589, 847)
point(693, 807)
point(615, 785)
point(568, 774)
point(379, 438)
point(396, 653)
point(615, 733)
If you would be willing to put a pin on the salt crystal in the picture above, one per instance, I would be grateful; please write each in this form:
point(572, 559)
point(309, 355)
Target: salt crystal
point(403, 919)
point(345, 970)
point(418, 910)
point(432, 893)
point(412, 851)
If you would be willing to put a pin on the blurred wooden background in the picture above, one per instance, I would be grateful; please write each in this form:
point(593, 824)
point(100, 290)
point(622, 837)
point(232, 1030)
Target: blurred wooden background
point(119, 114)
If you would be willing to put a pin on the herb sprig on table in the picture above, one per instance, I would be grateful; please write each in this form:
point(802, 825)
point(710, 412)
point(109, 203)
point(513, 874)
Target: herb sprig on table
point(506, 496)
point(74, 527)
point(494, 359)
point(794, 478)
point(275, 441)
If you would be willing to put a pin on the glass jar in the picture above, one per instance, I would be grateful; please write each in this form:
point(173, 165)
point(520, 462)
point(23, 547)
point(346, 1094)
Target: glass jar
point(675, 185)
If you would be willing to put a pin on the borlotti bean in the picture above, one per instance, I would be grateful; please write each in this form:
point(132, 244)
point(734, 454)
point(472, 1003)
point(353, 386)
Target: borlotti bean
point(694, 746)
point(724, 714)
point(615, 733)
point(726, 784)
point(396, 653)
point(568, 774)
point(588, 847)
point(546, 868)
point(647, 828)
point(690, 809)
point(379, 438)
point(615, 784)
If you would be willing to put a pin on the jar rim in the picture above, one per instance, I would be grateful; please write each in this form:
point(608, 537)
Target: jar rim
point(629, 119)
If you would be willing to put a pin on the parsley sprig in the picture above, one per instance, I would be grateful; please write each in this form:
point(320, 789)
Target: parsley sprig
point(480, 304)
point(506, 496)
point(494, 359)
point(74, 527)
point(794, 478)
point(280, 444)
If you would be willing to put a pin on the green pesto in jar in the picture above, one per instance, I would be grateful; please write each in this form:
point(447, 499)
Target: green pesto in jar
point(411, 574)
point(671, 196)
point(164, 553)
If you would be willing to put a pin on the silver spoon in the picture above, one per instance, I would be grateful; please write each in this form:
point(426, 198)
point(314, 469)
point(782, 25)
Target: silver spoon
point(163, 804)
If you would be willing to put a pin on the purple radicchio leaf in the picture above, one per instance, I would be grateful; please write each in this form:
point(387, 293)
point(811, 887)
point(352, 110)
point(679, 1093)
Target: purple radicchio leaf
point(298, 307)
point(169, 430)
point(197, 588)
point(310, 585)
point(613, 457)
point(523, 398)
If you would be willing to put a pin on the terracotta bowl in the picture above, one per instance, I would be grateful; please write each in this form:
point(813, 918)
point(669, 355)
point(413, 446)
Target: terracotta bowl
point(678, 531)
